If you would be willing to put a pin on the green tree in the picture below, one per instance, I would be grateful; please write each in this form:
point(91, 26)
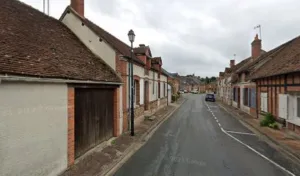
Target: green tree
point(207, 80)
point(213, 79)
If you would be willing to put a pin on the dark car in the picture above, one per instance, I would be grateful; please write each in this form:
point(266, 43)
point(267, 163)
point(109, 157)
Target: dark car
point(210, 97)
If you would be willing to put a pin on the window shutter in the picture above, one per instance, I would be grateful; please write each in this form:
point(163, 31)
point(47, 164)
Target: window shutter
point(264, 102)
point(253, 98)
point(249, 97)
point(283, 108)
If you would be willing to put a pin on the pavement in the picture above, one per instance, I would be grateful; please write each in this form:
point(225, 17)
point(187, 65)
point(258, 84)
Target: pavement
point(288, 141)
point(108, 156)
point(201, 138)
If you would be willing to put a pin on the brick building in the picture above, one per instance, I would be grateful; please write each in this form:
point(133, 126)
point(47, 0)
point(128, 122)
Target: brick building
point(278, 84)
point(150, 82)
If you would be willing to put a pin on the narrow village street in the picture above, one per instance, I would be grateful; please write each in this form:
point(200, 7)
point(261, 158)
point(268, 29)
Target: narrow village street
point(191, 142)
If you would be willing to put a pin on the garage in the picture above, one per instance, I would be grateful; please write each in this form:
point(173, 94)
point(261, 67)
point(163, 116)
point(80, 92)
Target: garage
point(94, 115)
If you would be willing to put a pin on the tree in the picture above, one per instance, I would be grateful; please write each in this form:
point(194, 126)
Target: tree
point(213, 79)
point(207, 80)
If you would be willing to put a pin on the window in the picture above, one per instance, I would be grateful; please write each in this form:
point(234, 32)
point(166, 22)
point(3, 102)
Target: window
point(158, 89)
point(252, 97)
point(298, 107)
point(246, 96)
point(234, 94)
point(164, 89)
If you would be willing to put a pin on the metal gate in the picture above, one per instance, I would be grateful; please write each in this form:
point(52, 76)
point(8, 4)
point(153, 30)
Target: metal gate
point(93, 118)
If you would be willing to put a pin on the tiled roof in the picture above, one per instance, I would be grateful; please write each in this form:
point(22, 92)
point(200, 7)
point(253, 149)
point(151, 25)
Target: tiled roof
point(34, 44)
point(234, 76)
point(252, 64)
point(286, 59)
point(141, 49)
point(227, 70)
point(117, 44)
point(156, 60)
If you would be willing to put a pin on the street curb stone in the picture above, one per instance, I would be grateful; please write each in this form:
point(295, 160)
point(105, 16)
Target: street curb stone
point(287, 150)
point(137, 144)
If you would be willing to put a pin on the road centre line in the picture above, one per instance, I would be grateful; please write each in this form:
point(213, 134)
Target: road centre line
point(252, 149)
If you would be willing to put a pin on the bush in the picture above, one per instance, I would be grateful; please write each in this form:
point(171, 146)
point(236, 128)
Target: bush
point(269, 121)
point(274, 126)
point(175, 97)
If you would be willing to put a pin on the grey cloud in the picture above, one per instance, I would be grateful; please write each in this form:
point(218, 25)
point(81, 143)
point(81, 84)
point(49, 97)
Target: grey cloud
point(218, 29)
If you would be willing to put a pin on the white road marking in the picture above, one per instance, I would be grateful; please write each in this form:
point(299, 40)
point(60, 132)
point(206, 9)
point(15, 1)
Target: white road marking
point(252, 149)
point(237, 132)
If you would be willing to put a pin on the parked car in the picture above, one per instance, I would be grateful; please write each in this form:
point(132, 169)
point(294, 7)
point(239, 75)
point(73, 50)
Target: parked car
point(210, 97)
point(194, 92)
point(185, 91)
point(181, 92)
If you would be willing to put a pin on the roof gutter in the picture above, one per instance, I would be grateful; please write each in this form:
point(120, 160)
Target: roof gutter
point(52, 80)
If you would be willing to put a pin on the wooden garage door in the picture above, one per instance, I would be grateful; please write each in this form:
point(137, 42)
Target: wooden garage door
point(93, 118)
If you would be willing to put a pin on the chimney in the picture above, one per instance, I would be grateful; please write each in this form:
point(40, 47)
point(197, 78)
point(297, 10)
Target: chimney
point(142, 45)
point(256, 48)
point(232, 63)
point(78, 6)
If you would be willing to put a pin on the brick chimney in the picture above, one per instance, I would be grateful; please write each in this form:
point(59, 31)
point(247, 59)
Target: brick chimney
point(256, 48)
point(78, 6)
point(232, 63)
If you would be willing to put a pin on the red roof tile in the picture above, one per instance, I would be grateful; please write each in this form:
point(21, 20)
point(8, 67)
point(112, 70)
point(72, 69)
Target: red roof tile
point(34, 44)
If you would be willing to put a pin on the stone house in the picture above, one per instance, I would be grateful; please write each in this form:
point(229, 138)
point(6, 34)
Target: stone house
point(150, 82)
point(50, 82)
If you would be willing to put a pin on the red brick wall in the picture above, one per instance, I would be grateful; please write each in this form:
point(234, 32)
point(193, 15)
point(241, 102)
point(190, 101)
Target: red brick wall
point(121, 68)
point(253, 112)
point(142, 58)
point(71, 126)
point(116, 112)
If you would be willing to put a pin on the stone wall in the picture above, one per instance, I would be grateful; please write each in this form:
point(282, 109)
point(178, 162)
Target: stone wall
point(153, 105)
point(139, 111)
point(163, 102)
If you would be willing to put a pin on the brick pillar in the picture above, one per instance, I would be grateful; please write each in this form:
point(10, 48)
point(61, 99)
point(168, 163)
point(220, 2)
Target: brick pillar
point(71, 126)
point(116, 112)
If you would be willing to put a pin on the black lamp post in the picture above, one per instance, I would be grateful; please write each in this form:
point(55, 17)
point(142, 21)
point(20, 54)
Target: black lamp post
point(131, 37)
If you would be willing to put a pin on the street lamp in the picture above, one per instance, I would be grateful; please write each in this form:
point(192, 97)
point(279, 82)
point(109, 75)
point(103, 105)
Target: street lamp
point(131, 37)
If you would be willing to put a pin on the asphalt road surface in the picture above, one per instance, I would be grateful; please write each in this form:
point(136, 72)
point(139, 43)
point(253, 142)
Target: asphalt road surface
point(202, 139)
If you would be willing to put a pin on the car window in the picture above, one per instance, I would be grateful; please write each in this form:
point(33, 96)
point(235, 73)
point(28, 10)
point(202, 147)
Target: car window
point(210, 95)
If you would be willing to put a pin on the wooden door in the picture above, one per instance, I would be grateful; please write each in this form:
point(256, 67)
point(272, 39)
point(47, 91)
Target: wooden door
point(93, 118)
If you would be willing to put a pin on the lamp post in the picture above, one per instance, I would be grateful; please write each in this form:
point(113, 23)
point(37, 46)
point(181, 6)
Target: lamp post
point(131, 37)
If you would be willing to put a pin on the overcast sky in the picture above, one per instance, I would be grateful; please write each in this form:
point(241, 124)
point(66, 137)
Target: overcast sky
point(193, 36)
